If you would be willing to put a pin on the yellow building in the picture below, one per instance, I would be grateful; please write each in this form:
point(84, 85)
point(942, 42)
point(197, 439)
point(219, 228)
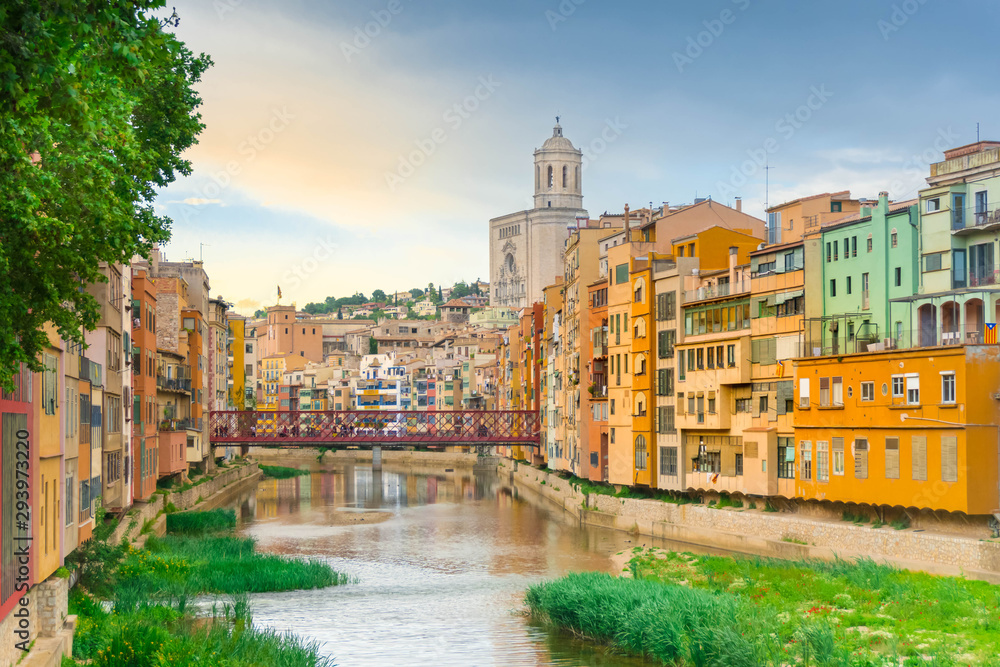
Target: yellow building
point(272, 370)
point(915, 429)
point(237, 361)
point(643, 368)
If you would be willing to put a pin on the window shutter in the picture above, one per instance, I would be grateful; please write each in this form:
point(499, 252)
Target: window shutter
point(861, 459)
point(892, 458)
point(728, 461)
point(769, 352)
point(755, 351)
point(918, 445)
point(949, 458)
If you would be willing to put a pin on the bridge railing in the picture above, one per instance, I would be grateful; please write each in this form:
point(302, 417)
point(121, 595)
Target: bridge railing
point(374, 427)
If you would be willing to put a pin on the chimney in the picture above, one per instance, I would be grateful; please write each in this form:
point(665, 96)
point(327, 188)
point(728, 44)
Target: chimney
point(733, 260)
point(628, 235)
point(883, 200)
point(739, 207)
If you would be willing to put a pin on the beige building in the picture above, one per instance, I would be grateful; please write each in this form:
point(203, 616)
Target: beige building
point(526, 247)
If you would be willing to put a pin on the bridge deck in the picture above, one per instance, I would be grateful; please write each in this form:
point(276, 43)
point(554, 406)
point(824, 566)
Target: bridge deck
point(374, 427)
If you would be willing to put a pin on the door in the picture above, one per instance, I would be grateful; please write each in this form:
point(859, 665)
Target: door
point(981, 264)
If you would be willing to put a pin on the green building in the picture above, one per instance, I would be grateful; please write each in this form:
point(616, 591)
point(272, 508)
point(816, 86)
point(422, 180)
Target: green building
point(865, 260)
point(959, 227)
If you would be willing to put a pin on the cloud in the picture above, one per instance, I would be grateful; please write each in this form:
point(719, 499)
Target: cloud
point(198, 201)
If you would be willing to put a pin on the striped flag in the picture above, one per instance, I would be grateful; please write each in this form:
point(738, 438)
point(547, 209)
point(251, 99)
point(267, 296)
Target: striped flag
point(991, 334)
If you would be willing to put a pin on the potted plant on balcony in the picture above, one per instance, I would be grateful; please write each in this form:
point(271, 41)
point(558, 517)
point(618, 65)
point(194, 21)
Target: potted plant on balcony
point(592, 389)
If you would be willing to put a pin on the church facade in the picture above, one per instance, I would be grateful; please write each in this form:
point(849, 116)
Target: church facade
point(526, 248)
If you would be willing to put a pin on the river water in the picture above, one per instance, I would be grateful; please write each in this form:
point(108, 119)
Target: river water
point(441, 582)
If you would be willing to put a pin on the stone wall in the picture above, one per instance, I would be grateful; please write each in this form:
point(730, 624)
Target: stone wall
point(131, 524)
point(766, 533)
point(48, 626)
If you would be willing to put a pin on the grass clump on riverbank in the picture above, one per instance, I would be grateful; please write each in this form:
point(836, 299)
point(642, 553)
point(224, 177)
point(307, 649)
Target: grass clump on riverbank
point(150, 590)
point(201, 523)
point(281, 472)
point(710, 610)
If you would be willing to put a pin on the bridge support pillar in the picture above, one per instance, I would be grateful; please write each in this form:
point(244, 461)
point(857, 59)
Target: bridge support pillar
point(244, 450)
point(376, 458)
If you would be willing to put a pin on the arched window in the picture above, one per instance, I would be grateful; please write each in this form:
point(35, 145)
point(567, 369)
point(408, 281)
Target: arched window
point(551, 181)
point(641, 453)
point(869, 243)
point(640, 290)
point(640, 328)
point(640, 405)
point(565, 177)
point(893, 239)
point(640, 363)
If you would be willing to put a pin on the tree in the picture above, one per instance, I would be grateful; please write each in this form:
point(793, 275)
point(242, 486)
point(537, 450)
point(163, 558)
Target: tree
point(379, 296)
point(372, 345)
point(416, 292)
point(97, 104)
point(459, 290)
point(259, 314)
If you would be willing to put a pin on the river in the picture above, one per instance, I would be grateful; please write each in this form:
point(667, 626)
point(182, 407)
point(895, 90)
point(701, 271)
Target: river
point(441, 581)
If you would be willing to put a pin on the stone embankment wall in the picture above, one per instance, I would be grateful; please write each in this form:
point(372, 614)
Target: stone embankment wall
point(765, 533)
point(131, 524)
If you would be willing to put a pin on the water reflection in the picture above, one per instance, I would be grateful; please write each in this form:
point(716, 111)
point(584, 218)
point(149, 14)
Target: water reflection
point(441, 582)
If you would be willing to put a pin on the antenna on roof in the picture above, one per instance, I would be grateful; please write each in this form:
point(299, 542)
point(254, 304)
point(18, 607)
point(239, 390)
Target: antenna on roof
point(767, 184)
point(977, 132)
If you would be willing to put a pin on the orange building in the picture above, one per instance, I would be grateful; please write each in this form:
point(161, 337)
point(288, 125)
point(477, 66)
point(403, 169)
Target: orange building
point(145, 426)
point(595, 348)
point(912, 429)
point(284, 334)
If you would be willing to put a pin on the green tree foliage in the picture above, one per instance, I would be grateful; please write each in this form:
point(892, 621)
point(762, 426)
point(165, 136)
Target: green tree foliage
point(372, 345)
point(96, 107)
point(379, 296)
point(416, 292)
point(259, 314)
point(459, 290)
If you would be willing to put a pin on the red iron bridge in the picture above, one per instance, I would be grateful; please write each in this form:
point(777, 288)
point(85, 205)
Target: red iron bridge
point(374, 428)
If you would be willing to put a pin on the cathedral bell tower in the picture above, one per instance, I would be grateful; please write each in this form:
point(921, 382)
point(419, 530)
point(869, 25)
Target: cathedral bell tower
point(557, 173)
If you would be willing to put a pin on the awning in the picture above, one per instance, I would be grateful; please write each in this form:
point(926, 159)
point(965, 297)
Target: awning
point(788, 296)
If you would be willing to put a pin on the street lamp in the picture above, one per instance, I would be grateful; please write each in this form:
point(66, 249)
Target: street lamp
point(996, 512)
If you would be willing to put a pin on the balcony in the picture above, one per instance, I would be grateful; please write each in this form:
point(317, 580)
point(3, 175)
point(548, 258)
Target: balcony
point(835, 344)
point(180, 385)
point(716, 291)
point(973, 219)
point(980, 277)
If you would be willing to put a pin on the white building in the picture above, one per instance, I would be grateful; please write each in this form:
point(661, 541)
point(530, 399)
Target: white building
point(526, 248)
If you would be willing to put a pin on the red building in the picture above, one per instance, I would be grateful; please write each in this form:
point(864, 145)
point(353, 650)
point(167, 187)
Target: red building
point(145, 432)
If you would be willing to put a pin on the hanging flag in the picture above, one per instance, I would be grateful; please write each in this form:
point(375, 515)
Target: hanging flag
point(991, 334)
point(279, 291)
point(781, 369)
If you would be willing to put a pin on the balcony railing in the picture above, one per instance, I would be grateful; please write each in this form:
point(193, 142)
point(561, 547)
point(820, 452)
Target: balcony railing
point(173, 384)
point(979, 277)
point(972, 218)
point(186, 423)
point(716, 291)
point(927, 337)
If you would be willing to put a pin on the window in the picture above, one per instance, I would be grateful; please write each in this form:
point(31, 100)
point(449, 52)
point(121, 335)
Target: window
point(913, 389)
point(668, 461)
point(824, 392)
point(665, 344)
point(822, 462)
point(848, 284)
point(833, 287)
point(918, 448)
point(933, 262)
point(718, 356)
point(701, 358)
point(68, 498)
point(847, 247)
point(854, 246)
point(869, 243)
point(898, 386)
point(731, 355)
point(640, 291)
point(641, 452)
point(680, 367)
point(867, 391)
point(948, 388)
point(665, 420)
point(691, 408)
point(113, 414)
point(738, 463)
point(786, 458)
point(861, 458)
point(711, 402)
point(949, 458)
point(621, 274)
point(743, 404)
point(763, 404)
point(837, 390)
point(774, 227)
point(893, 239)
point(804, 393)
point(710, 358)
point(933, 205)
point(958, 269)
point(805, 462)
point(829, 252)
point(838, 455)
point(836, 252)
point(835, 207)
point(899, 276)
point(892, 458)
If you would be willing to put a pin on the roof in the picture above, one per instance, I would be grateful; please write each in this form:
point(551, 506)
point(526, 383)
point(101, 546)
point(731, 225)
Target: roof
point(843, 194)
point(857, 217)
point(457, 303)
point(557, 142)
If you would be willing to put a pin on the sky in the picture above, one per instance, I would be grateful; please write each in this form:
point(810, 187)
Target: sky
point(359, 145)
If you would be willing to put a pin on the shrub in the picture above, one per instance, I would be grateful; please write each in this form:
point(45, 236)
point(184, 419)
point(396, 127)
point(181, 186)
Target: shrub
point(281, 472)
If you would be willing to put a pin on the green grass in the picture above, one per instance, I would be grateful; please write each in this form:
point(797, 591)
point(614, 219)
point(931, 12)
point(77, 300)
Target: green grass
point(201, 523)
point(281, 472)
point(714, 610)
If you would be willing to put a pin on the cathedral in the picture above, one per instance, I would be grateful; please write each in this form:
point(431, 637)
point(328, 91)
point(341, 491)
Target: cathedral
point(526, 248)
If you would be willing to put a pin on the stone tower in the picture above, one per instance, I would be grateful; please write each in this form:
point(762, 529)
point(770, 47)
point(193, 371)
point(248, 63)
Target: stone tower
point(526, 248)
